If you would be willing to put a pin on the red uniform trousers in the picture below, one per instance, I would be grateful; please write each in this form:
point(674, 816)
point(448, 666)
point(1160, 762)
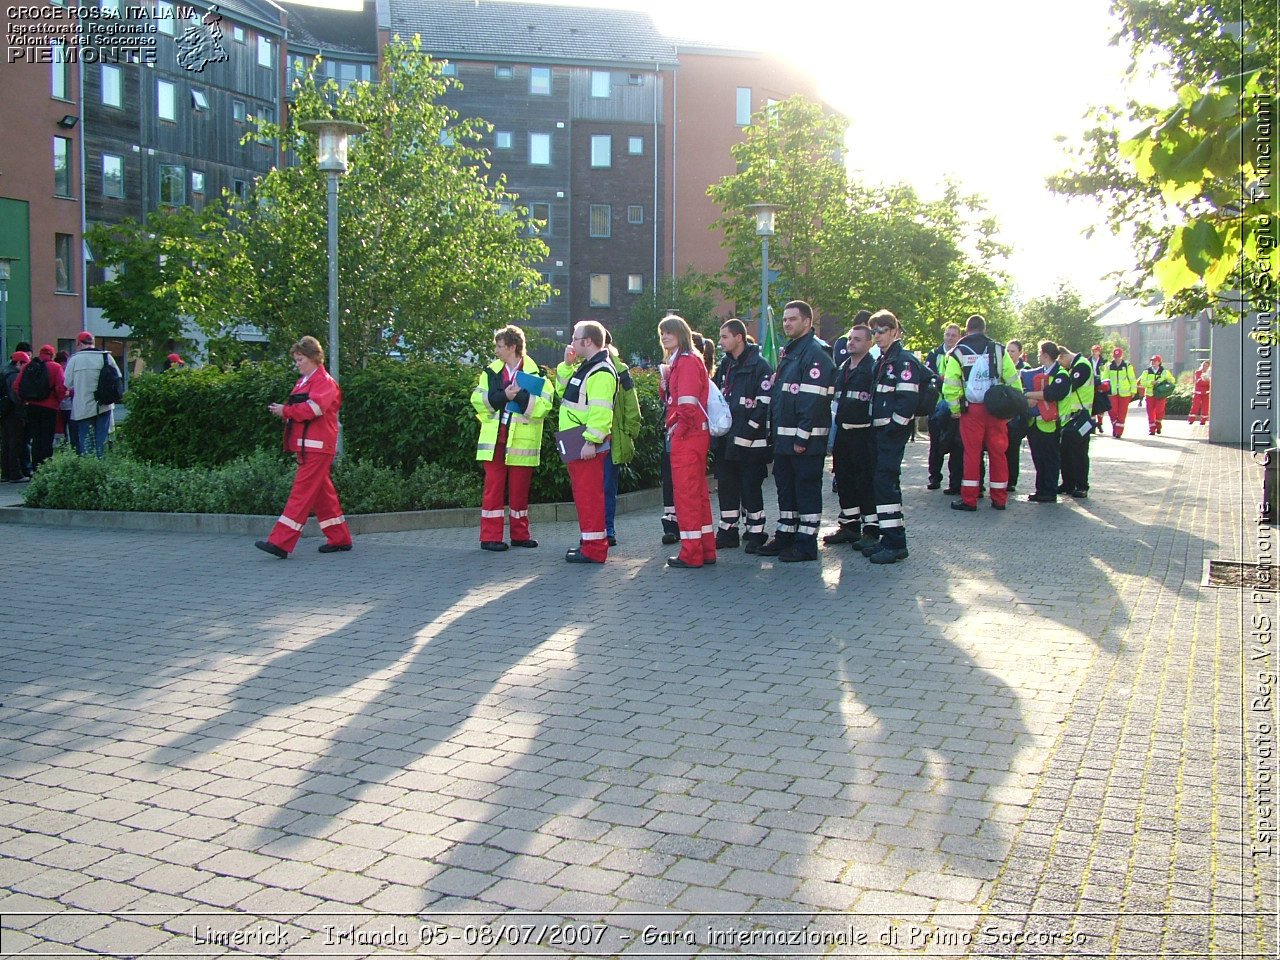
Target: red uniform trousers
point(500, 482)
point(1119, 410)
point(587, 479)
point(1199, 407)
point(693, 500)
point(1155, 414)
point(978, 429)
point(312, 492)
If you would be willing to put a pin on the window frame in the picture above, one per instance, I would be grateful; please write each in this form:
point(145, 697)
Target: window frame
point(60, 71)
point(64, 253)
point(111, 70)
point(738, 106)
point(498, 136)
point(242, 107)
point(544, 230)
point(605, 140)
point(504, 71)
point(63, 182)
point(635, 283)
point(596, 77)
point(268, 45)
point(167, 18)
point(199, 99)
point(592, 299)
point(602, 212)
point(105, 180)
point(537, 138)
point(238, 33)
point(197, 191)
point(632, 217)
point(171, 173)
point(635, 146)
point(534, 87)
point(172, 98)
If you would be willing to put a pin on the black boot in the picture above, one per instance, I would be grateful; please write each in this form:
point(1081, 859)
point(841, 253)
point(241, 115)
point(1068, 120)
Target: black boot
point(780, 542)
point(727, 539)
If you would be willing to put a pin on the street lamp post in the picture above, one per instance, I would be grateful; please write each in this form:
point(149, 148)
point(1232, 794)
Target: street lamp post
point(332, 160)
point(4, 307)
point(765, 214)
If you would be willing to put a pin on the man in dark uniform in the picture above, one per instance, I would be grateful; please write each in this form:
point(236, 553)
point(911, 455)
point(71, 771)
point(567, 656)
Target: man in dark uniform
point(742, 455)
point(853, 459)
point(893, 405)
point(801, 408)
point(1048, 387)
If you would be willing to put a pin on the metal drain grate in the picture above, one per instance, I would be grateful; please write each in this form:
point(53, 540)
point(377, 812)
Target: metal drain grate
point(1237, 573)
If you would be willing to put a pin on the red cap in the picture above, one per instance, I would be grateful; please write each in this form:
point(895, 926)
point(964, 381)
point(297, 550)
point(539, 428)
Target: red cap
point(46, 352)
point(174, 358)
point(84, 336)
point(21, 356)
point(1117, 353)
point(1157, 359)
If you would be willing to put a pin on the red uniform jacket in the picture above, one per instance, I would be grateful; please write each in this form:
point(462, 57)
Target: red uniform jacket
point(56, 380)
point(687, 394)
point(311, 415)
point(1200, 386)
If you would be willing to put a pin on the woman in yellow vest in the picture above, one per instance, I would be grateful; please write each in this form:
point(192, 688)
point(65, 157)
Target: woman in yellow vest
point(510, 445)
point(1158, 384)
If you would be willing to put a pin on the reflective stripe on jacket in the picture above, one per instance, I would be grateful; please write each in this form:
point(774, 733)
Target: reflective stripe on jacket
point(586, 396)
point(524, 431)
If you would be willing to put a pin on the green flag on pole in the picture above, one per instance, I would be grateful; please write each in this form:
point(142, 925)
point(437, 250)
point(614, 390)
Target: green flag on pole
point(769, 340)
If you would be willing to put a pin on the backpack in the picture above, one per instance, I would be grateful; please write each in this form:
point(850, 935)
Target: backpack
point(719, 416)
point(626, 419)
point(35, 383)
point(976, 385)
point(110, 385)
point(930, 388)
point(8, 404)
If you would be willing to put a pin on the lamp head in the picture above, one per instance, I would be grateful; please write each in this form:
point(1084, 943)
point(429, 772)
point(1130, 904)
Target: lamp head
point(765, 214)
point(333, 135)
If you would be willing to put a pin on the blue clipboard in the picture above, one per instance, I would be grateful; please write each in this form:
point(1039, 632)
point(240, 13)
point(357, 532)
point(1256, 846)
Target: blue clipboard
point(527, 381)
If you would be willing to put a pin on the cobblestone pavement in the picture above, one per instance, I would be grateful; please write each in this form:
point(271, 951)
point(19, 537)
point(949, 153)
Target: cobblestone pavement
point(1028, 739)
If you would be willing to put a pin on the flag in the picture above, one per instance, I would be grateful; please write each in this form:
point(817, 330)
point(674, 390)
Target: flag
point(769, 340)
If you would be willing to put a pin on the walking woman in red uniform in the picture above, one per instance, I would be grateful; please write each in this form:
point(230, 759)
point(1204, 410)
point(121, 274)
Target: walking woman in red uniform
point(310, 433)
point(685, 393)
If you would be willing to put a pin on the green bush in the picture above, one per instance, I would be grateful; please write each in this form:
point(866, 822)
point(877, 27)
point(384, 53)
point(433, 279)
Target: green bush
point(399, 416)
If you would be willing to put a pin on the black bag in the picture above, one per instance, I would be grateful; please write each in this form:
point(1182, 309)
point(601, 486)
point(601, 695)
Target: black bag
point(930, 388)
point(1101, 400)
point(8, 403)
point(110, 384)
point(1003, 402)
point(35, 383)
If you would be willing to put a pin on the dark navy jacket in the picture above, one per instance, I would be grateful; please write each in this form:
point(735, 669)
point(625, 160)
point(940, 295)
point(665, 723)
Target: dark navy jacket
point(802, 398)
point(746, 384)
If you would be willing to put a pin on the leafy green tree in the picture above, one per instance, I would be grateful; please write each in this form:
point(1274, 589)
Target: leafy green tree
point(432, 257)
point(688, 295)
point(1061, 317)
point(1194, 187)
point(147, 264)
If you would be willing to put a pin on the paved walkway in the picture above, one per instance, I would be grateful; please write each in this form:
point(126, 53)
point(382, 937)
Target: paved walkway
point(1030, 739)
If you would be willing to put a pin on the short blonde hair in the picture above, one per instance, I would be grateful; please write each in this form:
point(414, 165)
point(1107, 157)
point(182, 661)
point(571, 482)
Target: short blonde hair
point(310, 348)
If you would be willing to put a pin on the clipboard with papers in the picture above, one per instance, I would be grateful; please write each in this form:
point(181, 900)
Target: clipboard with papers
point(1048, 409)
point(570, 442)
point(530, 382)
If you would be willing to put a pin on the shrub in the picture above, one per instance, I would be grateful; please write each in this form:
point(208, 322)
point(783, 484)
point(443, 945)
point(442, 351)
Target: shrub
point(401, 416)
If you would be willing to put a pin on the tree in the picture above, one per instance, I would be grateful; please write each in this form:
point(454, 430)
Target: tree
point(432, 257)
point(1193, 186)
point(147, 263)
point(1063, 318)
point(688, 295)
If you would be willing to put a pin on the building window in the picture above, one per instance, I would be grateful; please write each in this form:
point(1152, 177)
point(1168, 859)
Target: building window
point(448, 69)
point(112, 86)
point(266, 52)
point(505, 207)
point(61, 167)
point(504, 72)
point(110, 6)
point(266, 115)
point(237, 33)
point(166, 18)
point(601, 150)
point(238, 112)
point(502, 140)
point(61, 71)
point(601, 219)
point(635, 214)
point(541, 211)
point(540, 149)
point(197, 181)
point(241, 189)
point(63, 243)
point(635, 79)
point(199, 100)
point(599, 290)
point(635, 283)
point(600, 83)
point(540, 81)
point(112, 176)
point(166, 100)
point(744, 106)
point(635, 146)
point(173, 182)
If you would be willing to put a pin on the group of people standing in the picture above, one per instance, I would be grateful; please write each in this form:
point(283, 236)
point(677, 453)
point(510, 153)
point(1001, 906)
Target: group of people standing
point(861, 406)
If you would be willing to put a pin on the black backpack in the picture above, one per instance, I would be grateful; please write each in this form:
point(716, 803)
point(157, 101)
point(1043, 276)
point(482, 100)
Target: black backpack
point(8, 402)
point(110, 385)
point(35, 383)
point(930, 387)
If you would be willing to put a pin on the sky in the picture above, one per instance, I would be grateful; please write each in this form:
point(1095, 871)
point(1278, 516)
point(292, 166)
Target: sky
point(977, 91)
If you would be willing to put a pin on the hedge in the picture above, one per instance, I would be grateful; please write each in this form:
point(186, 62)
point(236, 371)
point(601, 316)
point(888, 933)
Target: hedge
point(398, 416)
point(256, 484)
